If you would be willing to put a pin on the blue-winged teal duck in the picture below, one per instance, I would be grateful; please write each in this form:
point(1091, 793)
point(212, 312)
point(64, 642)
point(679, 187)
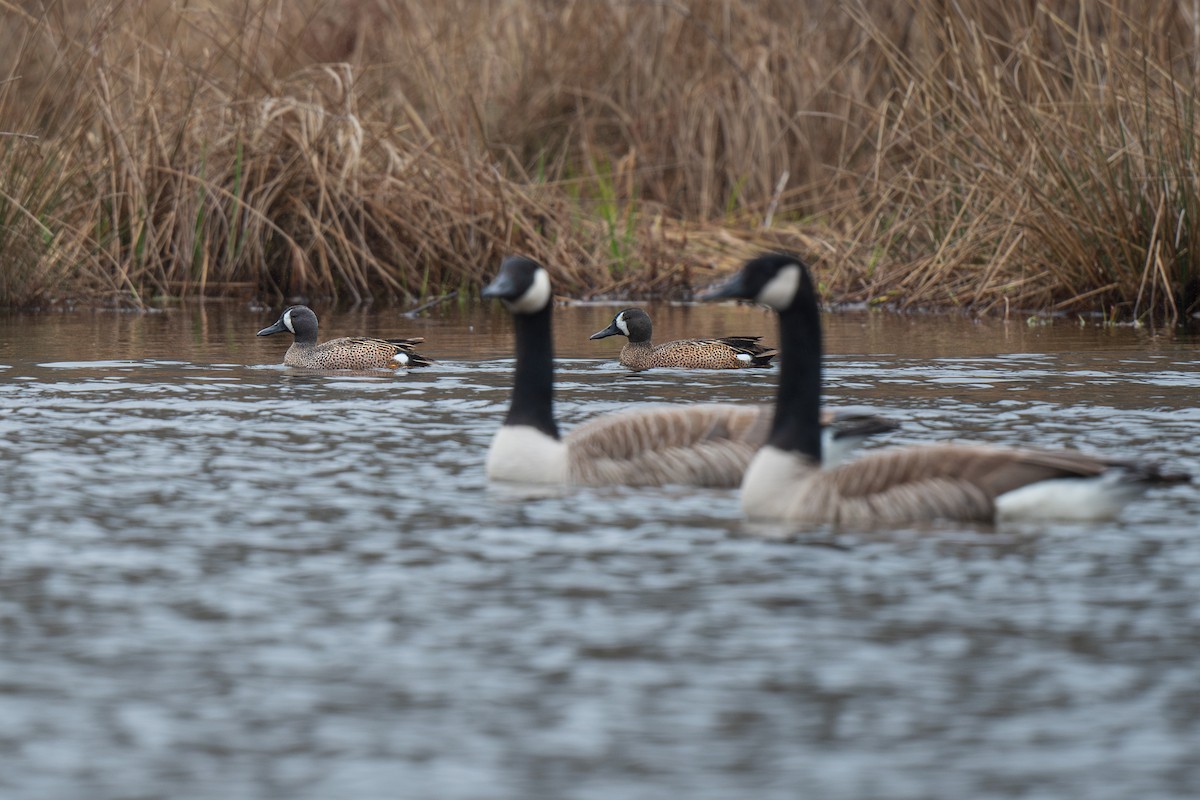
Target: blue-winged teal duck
point(788, 479)
point(351, 352)
point(700, 445)
point(729, 352)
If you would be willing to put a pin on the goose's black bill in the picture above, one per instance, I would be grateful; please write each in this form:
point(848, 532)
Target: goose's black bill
point(504, 287)
point(733, 289)
point(278, 327)
point(859, 424)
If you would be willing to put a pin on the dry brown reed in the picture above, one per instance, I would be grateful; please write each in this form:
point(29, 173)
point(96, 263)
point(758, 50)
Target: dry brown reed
point(995, 157)
point(1039, 156)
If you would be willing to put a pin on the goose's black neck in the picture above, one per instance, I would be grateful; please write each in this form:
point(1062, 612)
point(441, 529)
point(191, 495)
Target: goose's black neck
point(533, 386)
point(797, 424)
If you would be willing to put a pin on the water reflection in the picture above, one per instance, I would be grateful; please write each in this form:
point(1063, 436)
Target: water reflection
point(225, 578)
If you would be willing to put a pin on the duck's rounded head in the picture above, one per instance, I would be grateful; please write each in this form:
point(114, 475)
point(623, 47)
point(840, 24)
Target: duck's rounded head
point(777, 280)
point(523, 285)
point(300, 321)
point(632, 323)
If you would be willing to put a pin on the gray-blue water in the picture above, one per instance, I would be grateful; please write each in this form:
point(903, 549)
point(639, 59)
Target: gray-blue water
point(220, 578)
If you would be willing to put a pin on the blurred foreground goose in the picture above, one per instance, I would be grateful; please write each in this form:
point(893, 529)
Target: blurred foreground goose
point(351, 352)
point(729, 352)
point(700, 445)
point(902, 485)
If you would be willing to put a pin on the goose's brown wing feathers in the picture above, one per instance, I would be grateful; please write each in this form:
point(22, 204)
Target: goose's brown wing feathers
point(993, 470)
point(938, 482)
point(707, 445)
point(963, 482)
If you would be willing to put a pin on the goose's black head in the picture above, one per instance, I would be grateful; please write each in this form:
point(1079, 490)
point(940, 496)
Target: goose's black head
point(632, 323)
point(523, 285)
point(299, 321)
point(778, 280)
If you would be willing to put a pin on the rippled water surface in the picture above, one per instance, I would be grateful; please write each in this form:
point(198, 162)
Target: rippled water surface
point(220, 578)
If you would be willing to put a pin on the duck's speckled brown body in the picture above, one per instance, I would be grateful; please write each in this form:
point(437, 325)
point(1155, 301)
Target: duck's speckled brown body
point(356, 352)
point(729, 352)
point(350, 352)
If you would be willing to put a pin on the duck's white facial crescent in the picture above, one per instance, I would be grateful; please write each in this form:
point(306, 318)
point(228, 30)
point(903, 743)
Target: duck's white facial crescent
point(781, 290)
point(287, 321)
point(536, 297)
point(621, 324)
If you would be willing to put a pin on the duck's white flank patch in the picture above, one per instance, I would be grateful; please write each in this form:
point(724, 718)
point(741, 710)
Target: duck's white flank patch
point(536, 297)
point(1078, 499)
point(622, 324)
point(745, 358)
point(401, 359)
point(781, 290)
point(287, 321)
point(523, 454)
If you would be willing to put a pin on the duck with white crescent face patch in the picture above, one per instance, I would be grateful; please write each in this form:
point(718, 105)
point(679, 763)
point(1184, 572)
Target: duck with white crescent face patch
point(639, 353)
point(351, 352)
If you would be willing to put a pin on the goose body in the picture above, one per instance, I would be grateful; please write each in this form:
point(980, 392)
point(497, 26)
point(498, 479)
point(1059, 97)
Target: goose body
point(700, 445)
point(729, 352)
point(788, 479)
point(350, 352)
point(974, 483)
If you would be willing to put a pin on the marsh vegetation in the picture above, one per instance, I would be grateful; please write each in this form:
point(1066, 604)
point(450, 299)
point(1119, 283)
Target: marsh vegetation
point(976, 155)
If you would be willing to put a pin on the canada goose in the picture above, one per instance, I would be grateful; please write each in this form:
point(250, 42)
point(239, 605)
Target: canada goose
point(785, 480)
point(351, 352)
point(701, 445)
point(728, 352)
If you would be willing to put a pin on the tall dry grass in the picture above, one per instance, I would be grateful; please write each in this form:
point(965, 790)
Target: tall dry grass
point(1037, 158)
point(933, 153)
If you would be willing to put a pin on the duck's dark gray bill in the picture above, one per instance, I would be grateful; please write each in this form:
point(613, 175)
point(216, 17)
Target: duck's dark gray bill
point(611, 330)
point(735, 287)
point(501, 288)
point(278, 327)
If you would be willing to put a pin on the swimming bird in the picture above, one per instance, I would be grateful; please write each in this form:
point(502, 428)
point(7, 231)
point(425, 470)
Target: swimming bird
point(728, 352)
point(351, 352)
point(788, 480)
point(700, 445)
